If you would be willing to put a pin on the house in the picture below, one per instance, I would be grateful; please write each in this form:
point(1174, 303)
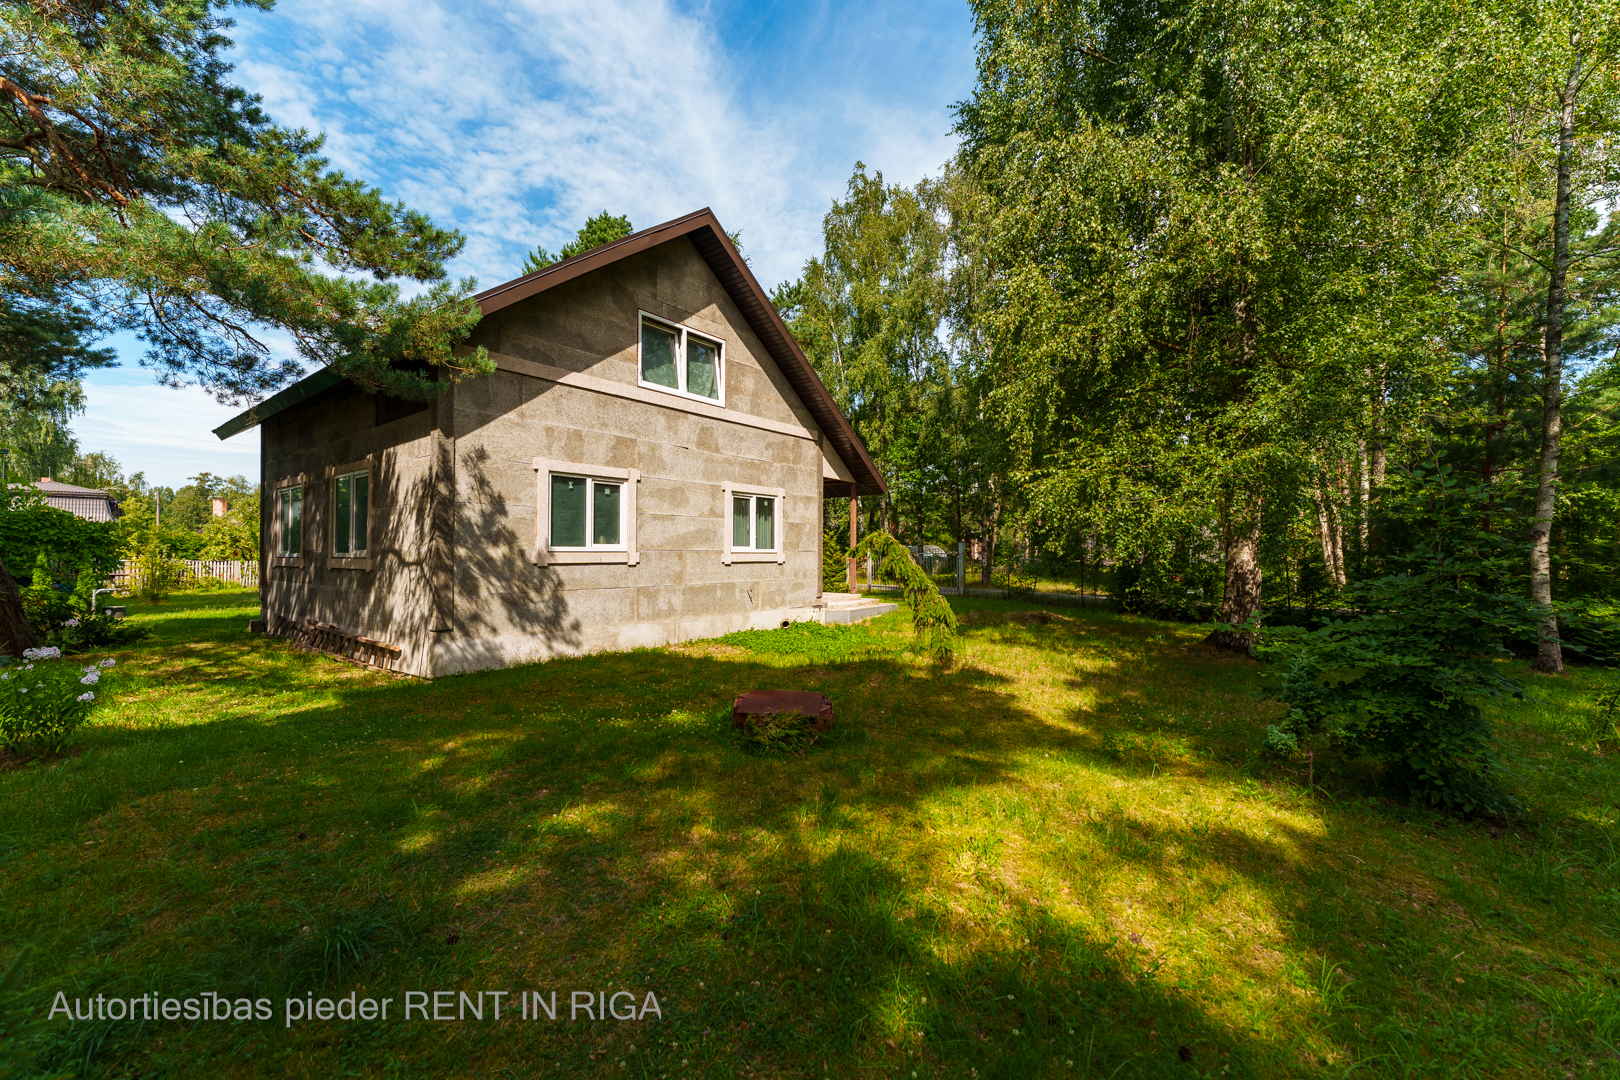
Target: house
point(646, 465)
point(91, 504)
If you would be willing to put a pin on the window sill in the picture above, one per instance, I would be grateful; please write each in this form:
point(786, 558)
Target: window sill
point(675, 391)
point(338, 562)
point(547, 557)
point(287, 560)
point(755, 556)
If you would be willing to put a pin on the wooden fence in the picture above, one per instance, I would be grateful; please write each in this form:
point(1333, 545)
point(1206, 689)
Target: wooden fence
point(234, 571)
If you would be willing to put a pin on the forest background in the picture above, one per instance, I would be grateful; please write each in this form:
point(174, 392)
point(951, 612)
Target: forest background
point(1207, 282)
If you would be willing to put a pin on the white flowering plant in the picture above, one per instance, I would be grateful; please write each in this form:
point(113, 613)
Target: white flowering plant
point(44, 699)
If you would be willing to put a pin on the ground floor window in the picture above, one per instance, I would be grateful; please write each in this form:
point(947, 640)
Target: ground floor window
point(290, 521)
point(351, 496)
point(753, 522)
point(754, 519)
point(586, 513)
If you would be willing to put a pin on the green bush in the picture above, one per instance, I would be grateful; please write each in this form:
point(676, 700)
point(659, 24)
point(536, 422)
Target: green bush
point(35, 529)
point(834, 561)
point(44, 604)
point(157, 573)
point(68, 619)
point(44, 700)
point(1403, 679)
point(84, 632)
point(932, 619)
point(777, 733)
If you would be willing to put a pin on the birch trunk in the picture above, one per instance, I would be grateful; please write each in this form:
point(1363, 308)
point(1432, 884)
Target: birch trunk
point(1241, 601)
point(1366, 492)
point(1324, 535)
point(987, 568)
point(1549, 651)
point(1336, 503)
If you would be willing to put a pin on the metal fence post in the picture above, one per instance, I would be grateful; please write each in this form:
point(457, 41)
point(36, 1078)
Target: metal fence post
point(961, 568)
point(869, 573)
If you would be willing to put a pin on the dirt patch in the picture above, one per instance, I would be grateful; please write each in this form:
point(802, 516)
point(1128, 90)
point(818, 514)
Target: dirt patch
point(701, 649)
point(1214, 654)
point(1013, 618)
point(10, 760)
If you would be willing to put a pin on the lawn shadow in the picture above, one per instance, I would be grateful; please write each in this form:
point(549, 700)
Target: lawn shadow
point(592, 824)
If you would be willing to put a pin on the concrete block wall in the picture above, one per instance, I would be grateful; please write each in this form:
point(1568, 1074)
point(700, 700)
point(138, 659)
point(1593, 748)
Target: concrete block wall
point(392, 601)
point(509, 610)
point(456, 505)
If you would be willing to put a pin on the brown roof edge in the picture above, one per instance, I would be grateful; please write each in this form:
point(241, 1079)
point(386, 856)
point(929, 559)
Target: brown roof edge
point(755, 304)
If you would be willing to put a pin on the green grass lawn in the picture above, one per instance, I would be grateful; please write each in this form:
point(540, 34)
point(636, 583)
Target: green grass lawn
point(1059, 857)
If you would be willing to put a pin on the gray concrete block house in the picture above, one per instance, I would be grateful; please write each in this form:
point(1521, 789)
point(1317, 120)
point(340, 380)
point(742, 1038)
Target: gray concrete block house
point(647, 465)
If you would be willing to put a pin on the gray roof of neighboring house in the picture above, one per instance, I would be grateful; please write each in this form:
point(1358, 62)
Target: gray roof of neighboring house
point(92, 504)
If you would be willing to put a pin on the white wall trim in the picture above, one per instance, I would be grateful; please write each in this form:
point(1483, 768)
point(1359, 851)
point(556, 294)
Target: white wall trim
point(663, 398)
point(543, 554)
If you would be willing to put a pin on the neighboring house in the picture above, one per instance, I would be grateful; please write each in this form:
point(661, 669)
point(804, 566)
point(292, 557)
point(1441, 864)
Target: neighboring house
point(88, 503)
point(646, 465)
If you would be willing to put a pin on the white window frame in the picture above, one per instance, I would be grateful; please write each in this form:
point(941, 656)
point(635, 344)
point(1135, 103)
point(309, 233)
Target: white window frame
point(681, 333)
point(351, 560)
point(731, 555)
point(280, 529)
point(623, 552)
point(301, 481)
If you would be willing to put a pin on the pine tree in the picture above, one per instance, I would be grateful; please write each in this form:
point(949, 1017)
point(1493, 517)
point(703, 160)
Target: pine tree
point(140, 190)
point(604, 228)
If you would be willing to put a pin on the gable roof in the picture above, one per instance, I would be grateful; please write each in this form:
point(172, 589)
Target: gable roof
point(703, 229)
point(92, 504)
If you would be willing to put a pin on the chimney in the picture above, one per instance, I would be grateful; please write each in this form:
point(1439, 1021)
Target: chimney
point(220, 506)
point(44, 479)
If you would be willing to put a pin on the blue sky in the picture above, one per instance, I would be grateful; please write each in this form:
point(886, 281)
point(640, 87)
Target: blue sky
point(515, 123)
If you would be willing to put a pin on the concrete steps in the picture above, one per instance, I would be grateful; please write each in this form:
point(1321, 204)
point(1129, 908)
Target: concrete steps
point(845, 608)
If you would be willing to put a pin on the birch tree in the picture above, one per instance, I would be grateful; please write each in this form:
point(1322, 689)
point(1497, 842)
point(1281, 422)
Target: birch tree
point(1556, 65)
point(1215, 232)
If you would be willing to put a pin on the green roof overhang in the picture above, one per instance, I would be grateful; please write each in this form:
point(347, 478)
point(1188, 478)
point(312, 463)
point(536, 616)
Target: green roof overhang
point(302, 390)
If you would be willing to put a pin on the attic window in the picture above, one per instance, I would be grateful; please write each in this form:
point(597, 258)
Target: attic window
point(681, 361)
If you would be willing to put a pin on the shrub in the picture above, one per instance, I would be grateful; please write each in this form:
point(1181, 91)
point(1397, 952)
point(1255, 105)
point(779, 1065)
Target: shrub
point(776, 733)
point(157, 573)
point(68, 619)
point(95, 632)
point(45, 605)
point(834, 561)
point(932, 619)
point(207, 583)
point(35, 529)
point(1404, 678)
point(44, 700)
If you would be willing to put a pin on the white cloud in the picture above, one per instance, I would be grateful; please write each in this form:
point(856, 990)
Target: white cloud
point(514, 122)
point(166, 433)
